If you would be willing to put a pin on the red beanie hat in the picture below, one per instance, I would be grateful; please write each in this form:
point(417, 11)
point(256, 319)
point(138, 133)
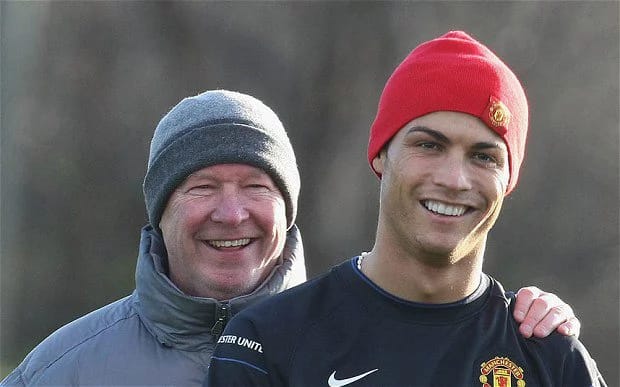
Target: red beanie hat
point(454, 73)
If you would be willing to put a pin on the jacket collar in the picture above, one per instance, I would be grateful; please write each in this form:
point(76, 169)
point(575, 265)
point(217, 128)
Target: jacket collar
point(186, 322)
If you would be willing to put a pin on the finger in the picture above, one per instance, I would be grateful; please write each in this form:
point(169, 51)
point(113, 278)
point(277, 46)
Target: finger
point(556, 316)
point(572, 327)
point(525, 296)
point(537, 311)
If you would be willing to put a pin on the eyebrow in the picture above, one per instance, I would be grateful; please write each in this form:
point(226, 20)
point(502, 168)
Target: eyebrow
point(441, 137)
point(433, 133)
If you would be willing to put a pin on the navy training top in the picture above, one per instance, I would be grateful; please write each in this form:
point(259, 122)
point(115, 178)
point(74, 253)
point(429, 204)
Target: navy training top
point(341, 329)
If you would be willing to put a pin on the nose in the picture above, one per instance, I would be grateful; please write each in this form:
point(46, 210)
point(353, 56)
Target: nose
point(230, 209)
point(452, 173)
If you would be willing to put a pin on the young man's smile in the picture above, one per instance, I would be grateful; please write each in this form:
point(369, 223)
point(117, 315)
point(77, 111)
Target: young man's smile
point(443, 208)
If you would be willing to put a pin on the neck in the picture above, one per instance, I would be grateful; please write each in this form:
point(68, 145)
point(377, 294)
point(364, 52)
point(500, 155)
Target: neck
point(428, 278)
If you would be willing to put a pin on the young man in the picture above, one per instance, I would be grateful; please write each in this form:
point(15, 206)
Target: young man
point(447, 144)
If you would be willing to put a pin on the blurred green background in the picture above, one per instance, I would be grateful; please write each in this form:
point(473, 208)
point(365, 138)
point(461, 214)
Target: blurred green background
point(83, 85)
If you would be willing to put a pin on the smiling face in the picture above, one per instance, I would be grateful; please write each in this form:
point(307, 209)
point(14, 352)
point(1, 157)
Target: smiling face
point(224, 228)
point(443, 181)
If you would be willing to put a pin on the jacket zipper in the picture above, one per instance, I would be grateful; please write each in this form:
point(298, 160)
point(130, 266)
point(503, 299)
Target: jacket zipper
point(221, 318)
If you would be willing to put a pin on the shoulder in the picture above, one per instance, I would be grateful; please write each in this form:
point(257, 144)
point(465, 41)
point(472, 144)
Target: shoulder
point(563, 361)
point(304, 302)
point(94, 328)
point(566, 354)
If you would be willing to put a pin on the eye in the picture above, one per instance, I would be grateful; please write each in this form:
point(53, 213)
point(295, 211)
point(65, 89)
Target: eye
point(258, 187)
point(485, 158)
point(203, 189)
point(430, 145)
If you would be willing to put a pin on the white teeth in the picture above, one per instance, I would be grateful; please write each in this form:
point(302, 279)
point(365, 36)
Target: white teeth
point(444, 209)
point(231, 243)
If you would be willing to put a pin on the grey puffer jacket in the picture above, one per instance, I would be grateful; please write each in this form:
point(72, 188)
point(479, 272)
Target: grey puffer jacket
point(155, 336)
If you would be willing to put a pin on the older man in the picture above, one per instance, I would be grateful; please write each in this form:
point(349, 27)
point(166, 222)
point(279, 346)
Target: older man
point(447, 144)
point(221, 194)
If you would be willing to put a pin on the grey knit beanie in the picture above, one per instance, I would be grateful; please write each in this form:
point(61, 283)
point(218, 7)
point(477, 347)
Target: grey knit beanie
point(218, 127)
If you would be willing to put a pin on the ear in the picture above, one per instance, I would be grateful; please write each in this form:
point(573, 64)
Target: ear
point(378, 163)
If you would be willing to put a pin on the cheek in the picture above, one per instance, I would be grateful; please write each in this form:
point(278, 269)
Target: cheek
point(279, 216)
point(272, 215)
point(504, 177)
point(496, 200)
point(183, 216)
point(494, 184)
point(399, 176)
point(502, 184)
